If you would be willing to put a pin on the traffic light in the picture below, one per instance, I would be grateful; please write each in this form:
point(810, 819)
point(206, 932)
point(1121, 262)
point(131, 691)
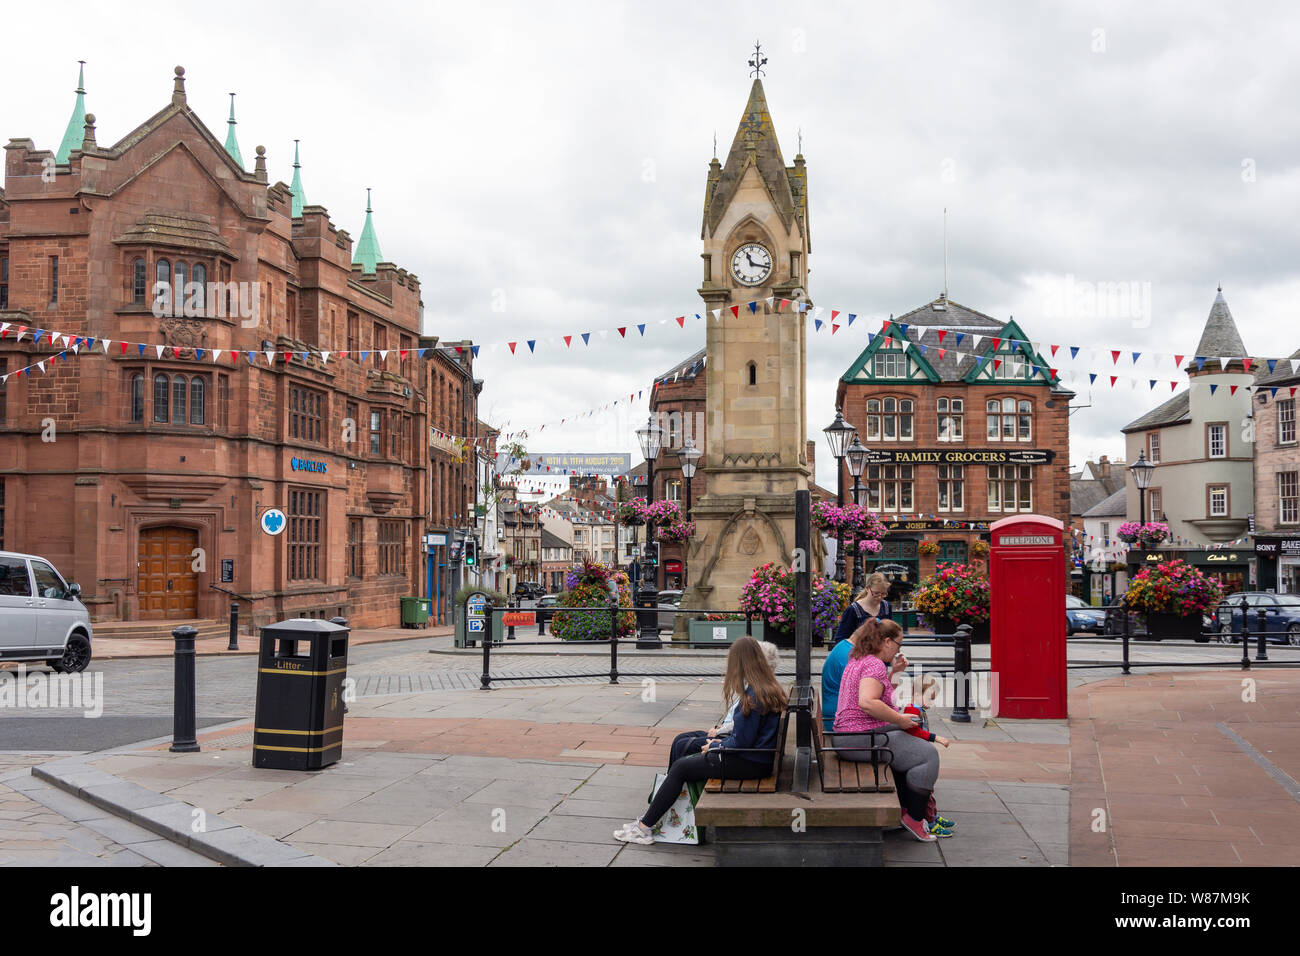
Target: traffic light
point(471, 552)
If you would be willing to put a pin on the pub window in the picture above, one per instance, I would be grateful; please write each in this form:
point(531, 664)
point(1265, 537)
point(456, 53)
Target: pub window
point(1218, 504)
point(1153, 448)
point(890, 365)
point(1009, 365)
point(137, 397)
point(1286, 421)
point(1153, 504)
point(1009, 419)
point(889, 488)
point(889, 419)
point(404, 343)
point(291, 313)
point(1288, 497)
point(1217, 441)
point(376, 432)
point(198, 404)
point(180, 386)
point(162, 272)
point(394, 434)
point(4, 282)
point(179, 290)
point(952, 552)
point(952, 419)
point(381, 341)
point(354, 548)
point(139, 279)
point(1105, 533)
point(200, 286)
point(1011, 488)
point(952, 480)
point(54, 279)
point(223, 399)
point(392, 547)
point(351, 423)
point(161, 391)
point(306, 414)
point(353, 344)
point(304, 535)
point(673, 490)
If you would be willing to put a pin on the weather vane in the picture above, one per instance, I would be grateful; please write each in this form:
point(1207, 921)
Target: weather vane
point(758, 61)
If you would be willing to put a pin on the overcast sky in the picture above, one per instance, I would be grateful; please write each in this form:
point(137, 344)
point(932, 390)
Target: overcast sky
point(542, 167)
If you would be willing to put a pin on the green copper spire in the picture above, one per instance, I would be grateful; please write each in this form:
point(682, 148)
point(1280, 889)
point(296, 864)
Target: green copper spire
point(76, 130)
point(232, 144)
point(367, 252)
point(295, 187)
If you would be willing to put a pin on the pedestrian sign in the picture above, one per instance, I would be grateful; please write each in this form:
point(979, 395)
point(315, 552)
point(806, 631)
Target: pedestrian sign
point(476, 624)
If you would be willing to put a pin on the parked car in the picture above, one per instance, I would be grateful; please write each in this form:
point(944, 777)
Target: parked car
point(669, 602)
point(528, 591)
point(546, 607)
point(1278, 614)
point(41, 615)
point(1081, 616)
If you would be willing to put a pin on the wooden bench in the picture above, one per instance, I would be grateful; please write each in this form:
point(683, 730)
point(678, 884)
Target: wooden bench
point(766, 784)
point(850, 776)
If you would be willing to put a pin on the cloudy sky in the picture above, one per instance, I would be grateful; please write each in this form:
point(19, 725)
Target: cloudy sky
point(541, 167)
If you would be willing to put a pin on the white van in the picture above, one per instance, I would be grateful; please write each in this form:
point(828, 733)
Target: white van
point(41, 615)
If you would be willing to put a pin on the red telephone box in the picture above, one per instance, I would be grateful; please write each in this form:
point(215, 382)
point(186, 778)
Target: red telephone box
point(1027, 616)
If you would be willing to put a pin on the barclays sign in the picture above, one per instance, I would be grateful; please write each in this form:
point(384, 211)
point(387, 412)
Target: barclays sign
point(304, 464)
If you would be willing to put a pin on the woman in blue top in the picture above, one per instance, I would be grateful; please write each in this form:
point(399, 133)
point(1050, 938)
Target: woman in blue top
point(750, 680)
point(870, 604)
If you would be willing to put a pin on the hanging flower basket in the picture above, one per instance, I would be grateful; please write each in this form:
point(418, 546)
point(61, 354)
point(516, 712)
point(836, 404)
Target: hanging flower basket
point(979, 549)
point(1147, 535)
point(679, 532)
point(927, 547)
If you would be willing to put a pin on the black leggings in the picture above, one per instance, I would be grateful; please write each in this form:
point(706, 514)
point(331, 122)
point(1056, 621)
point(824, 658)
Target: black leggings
point(701, 767)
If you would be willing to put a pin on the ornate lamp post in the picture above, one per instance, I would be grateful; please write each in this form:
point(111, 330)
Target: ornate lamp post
point(1142, 471)
point(857, 454)
point(690, 458)
point(650, 437)
point(837, 434)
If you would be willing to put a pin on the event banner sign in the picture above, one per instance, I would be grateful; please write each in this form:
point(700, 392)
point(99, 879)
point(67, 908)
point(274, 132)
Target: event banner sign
point(961, 456)
point(577, 464)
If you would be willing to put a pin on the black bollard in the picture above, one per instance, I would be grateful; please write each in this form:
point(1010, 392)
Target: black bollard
point(1245, 641)
point(961, 675)
point(183, 722)
point(510, 631)
point(1261, 651)
point(613, 644)
point(485, 682)
point(1125, 628)
point(234, 627)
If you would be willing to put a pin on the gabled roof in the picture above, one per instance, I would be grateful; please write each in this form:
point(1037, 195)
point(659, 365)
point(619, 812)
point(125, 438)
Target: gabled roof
point(895, 335)
point(1086, 493)
point(755, 144)
point(550, 540)
point(689, 367)
point(1176, 411)
point(1112, 506)
point(1220, 338)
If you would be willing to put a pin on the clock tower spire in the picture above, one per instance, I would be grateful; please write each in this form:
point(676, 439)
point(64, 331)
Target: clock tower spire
point(755, 251)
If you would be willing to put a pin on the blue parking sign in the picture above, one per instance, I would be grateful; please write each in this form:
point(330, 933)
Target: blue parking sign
point(476, 625)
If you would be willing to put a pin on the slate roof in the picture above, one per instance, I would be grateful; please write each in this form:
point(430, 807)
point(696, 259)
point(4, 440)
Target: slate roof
point(1281, 374)
point(1220, 338)
point(550, 540)
point(1176, 411)
point(1112, 506)
point(690, 367)
point(1085, 493)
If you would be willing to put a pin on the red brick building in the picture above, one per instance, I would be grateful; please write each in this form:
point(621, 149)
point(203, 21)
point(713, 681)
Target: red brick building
point(163, 461)
point(964, 429)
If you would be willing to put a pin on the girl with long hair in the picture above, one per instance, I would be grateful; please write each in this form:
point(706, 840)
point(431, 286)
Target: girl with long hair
point(747, 753)
point(866, 703)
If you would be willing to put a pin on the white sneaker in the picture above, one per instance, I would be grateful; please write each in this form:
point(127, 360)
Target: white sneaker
point(633, 833)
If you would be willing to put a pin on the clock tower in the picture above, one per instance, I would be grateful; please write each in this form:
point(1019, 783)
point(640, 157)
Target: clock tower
point(756, 245)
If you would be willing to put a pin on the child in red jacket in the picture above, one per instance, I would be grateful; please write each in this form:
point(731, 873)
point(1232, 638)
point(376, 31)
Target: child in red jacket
point(939, 826)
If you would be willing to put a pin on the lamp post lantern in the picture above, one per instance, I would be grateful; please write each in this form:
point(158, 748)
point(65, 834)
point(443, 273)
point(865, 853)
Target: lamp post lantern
point(650, 437)
point(690, 458)
point(837, 435)
point(1142, 471)
point(857, 454)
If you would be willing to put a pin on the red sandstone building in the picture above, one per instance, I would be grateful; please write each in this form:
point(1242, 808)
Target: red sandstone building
point(962, 429)
point(165, 460)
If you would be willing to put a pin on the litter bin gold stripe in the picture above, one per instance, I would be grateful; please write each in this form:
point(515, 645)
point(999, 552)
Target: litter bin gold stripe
point(308, 733)
point(277, 670)
point(300, 750)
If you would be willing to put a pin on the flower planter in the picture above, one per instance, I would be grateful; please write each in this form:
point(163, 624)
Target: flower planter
point(1173, 626)
point(785, 639)
point(721, 633)
point(944, 626)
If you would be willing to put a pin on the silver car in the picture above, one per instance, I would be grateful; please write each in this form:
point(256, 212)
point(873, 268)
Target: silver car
point(41, 615)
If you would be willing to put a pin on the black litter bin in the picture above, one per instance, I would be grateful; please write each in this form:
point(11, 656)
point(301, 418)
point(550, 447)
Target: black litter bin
point(300, 672)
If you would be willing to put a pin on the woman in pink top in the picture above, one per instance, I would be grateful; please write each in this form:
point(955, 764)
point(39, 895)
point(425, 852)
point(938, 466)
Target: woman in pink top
point(866, 705)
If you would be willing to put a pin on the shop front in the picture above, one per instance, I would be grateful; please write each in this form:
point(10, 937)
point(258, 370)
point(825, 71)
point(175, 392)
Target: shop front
point(1278, 561)
point(1230, 567)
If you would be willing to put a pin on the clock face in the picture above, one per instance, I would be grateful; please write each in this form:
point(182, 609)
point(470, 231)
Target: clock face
point(751, 264)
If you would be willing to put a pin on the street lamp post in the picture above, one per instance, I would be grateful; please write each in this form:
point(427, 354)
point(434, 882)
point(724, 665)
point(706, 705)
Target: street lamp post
point(837, 436)
point(856, 454)
point(690, 458)
point(1142, 471)
point(650, 437)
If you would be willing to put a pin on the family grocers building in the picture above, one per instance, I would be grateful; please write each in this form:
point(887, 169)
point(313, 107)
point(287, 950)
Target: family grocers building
point(966, 425)
point(145, 470)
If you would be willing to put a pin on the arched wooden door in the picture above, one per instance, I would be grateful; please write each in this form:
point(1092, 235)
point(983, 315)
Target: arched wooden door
point(167, 587)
